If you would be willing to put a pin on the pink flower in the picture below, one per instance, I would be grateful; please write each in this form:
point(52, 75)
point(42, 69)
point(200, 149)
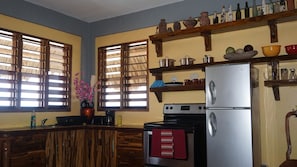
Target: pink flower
point(84, 91)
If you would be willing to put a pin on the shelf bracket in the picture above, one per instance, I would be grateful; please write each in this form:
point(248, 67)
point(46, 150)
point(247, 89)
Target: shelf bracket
point(159, 96)
point(273, 31)
point(274, 73)
point(276, 93)
point(158, 76)
point(159, 48)
point(207, 40)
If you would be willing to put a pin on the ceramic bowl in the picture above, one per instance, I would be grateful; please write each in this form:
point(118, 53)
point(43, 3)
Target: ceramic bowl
point(291, 49)
point(271, 50)
point(190, 23)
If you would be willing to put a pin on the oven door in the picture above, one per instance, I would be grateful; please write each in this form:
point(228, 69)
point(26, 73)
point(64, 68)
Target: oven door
point(167, 162)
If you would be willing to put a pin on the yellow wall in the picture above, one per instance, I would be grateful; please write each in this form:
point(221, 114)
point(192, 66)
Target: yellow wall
point(272, 112)
point(23, 119)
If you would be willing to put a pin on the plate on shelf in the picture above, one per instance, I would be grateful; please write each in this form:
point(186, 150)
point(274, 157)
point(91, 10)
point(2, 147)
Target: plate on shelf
point(241, 56)
point(174, 84)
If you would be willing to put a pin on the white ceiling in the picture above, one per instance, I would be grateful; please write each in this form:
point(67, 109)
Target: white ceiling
point(95, 10)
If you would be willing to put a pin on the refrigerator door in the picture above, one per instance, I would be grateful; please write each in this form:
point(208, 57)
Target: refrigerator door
point(229, 138)
point(228, 86)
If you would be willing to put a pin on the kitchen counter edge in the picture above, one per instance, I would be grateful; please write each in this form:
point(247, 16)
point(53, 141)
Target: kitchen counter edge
point(48, 128)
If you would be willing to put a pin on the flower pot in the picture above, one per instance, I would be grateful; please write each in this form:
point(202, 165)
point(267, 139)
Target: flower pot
point(87, 112)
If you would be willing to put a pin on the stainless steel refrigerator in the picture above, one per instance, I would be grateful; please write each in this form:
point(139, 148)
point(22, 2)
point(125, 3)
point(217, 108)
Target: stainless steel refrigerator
point(232, 116)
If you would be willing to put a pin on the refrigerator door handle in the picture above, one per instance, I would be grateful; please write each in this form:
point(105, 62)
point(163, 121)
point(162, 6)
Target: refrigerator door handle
point(212, 90)
point(212, 124)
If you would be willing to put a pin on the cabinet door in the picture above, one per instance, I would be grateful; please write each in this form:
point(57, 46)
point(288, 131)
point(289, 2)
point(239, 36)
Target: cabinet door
point(109, 149)
point(129, 138)
point(130, 148)
point(30, 159)
point(94, 147)
point(129, 157)
point(65, 148)
point(27, 150)
point(100, 148)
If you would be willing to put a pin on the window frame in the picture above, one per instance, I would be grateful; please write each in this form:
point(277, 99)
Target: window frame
point(101, 77)
point(45, 77)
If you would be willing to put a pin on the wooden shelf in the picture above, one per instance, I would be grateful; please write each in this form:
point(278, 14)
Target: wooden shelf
point(275, 84)
point(205, 31)
point(158, 91)
point(157, 71)
point(280, 83)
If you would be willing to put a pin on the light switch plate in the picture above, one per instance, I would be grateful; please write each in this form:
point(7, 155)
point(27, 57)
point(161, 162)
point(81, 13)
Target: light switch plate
point(194, 76)
point(173, 79)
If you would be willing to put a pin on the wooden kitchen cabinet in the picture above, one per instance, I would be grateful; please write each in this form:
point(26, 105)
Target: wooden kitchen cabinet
point(130, 148)
point(23, 150)
point(1, 151)
point(79, 146)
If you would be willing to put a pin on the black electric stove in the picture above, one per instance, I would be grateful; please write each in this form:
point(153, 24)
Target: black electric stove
point(190, 117)
point(186, 115)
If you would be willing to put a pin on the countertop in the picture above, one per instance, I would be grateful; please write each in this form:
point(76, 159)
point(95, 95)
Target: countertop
point(47, 128)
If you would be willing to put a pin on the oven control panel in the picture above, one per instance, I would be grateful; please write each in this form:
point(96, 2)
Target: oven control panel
point(184, 108)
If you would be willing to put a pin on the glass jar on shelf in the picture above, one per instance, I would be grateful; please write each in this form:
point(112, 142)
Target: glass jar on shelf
point(284, 74)
point(292, 75)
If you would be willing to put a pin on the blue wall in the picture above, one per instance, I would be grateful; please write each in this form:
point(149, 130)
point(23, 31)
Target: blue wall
point(89, 31)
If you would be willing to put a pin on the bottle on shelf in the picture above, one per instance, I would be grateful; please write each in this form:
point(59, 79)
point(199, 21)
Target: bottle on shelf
point(33, 119)
point(270, 8)
point(230, 14)
point(246, 10)
point(223, 15)
point(238, 12)
point(255, 11)
point(276, 7)
point(264, 11)
point(215, 18)
point(292, 74)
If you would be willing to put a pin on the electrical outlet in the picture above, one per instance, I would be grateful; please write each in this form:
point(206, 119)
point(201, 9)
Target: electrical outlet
point(194, 76)
point(173, 79)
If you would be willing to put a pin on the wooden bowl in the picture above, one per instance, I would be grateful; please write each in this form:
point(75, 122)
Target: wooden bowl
point(190, 23)
point(271, 50)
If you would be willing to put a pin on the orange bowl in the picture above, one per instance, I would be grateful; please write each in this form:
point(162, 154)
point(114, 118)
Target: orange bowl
point(291, 49)
point(271, 50)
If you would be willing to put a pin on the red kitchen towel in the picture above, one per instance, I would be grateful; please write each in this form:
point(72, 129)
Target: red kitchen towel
point(180, 145)
point(169, 145)
point(162, 143)
point(156, 143)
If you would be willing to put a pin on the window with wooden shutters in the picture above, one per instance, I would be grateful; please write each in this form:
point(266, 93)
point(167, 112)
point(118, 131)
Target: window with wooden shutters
point(123, 76)
point(35, 73)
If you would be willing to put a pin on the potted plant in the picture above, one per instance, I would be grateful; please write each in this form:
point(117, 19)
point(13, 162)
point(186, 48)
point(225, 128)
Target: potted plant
point(85, 93)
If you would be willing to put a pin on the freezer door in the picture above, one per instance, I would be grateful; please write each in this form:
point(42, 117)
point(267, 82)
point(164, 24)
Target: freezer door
point(229, 138)
point(228, 86)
